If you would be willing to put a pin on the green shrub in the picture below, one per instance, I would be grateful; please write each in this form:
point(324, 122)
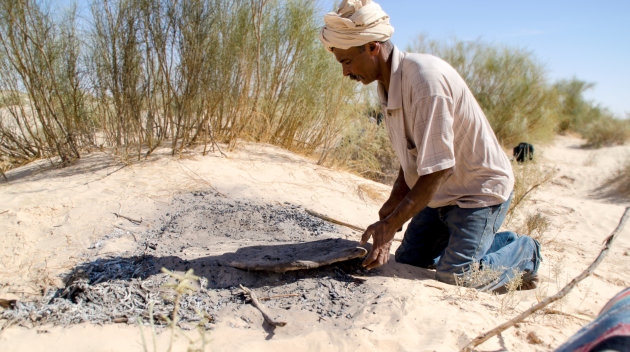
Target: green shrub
point(606, 131)
point(366, 150)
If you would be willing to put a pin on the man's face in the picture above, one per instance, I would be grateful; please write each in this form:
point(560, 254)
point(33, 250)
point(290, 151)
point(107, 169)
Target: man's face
point(359, 63)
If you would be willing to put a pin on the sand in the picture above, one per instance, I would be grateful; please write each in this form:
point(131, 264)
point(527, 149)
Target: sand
point(64, 244)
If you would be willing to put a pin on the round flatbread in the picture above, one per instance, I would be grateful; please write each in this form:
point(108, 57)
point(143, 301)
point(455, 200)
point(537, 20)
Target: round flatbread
point(281, 258)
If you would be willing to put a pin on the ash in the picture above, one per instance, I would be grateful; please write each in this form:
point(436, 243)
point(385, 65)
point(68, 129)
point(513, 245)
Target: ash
point(197, 230)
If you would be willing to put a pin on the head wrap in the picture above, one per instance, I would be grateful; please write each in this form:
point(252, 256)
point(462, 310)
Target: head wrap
point(355, 23)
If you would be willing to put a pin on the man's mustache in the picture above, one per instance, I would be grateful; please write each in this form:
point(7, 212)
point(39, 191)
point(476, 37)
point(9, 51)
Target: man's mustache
point(355, 77)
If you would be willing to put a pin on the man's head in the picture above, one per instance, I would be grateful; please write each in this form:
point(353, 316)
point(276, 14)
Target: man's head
point(357, 33)
point(361, 63)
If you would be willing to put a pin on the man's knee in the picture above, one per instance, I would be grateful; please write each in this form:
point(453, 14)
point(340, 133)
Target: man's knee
point(411, 257)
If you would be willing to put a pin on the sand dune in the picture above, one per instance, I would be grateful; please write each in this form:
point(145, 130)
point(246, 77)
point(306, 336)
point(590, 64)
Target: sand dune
point(115, 225)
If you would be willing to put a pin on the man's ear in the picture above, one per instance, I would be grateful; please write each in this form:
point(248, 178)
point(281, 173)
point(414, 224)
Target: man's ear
point(374, 48)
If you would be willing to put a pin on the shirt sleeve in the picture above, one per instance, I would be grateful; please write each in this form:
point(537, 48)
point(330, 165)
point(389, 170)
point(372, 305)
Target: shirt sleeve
point(433, 133)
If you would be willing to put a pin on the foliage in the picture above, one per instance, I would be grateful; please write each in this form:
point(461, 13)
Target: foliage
point(366, 150)
point(606, 131)
point(166, 71)
point(43, 97)
point(527, 177)
point(364, 146)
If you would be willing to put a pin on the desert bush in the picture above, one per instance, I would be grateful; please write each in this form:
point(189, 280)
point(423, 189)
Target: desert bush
point(188, 71)
point(509, 84)
point(40, 76)
point(605, 130)
point(596, 124)
point(574, 110)
point(366, 150)
point(364, 146)
point(157, 71)
point(619, 184)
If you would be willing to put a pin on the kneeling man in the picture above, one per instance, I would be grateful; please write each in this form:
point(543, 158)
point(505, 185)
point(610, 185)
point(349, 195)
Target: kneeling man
point(455, 182)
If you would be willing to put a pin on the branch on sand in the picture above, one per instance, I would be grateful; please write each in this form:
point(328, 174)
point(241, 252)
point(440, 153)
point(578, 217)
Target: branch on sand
point(134, 221)
point(338, 222)
point(497, 330)
point(334, 221)
point(252, 296)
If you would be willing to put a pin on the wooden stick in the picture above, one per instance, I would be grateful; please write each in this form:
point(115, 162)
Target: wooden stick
point(565, 290)
point(252, 296)
point(137, 222)
point(334, 221)
point(280, 296)
point(339, 222)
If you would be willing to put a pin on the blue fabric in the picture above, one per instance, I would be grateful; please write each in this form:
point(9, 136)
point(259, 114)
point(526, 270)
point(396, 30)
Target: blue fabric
point(453, 240)
point(613, 320)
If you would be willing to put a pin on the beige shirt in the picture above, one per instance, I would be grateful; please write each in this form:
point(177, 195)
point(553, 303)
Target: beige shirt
point(435, 123)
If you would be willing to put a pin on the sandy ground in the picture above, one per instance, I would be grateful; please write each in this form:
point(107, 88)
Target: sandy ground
point(196, 211)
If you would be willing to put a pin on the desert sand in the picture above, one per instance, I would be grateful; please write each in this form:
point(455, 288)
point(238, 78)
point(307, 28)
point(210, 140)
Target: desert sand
point(117, 224)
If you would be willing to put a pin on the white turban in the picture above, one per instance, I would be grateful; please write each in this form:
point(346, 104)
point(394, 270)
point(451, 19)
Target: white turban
point(355, 23)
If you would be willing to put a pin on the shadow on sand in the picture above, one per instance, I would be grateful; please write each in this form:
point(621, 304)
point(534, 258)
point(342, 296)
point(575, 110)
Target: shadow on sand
point(220, 274)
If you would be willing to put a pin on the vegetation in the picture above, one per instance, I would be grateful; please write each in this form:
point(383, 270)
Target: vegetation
point(149, 73)
point(594, 123)
point(156, 72)
point(618, 186)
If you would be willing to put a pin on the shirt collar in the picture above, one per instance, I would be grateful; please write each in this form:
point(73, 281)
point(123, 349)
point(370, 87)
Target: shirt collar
point(393, 100)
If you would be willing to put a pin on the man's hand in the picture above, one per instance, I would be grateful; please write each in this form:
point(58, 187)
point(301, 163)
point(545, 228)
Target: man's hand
point(382, 236)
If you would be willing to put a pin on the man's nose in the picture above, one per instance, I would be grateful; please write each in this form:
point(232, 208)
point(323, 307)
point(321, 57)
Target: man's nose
point(346, 71)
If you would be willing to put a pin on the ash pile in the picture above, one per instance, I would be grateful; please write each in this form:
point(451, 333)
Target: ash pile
point(198, 231)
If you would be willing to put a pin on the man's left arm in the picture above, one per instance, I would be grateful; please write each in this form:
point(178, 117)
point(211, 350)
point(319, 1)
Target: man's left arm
point(382, 232)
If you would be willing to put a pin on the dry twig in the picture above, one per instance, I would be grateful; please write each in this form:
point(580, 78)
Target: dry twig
point(137, 222)
point(280, 296)
point(334, 221)
point(497, 330)
point(339, 222)
point(252, 296)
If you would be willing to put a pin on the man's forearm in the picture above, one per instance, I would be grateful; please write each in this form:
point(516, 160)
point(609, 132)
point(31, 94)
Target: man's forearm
point(400, 188)
point(399, 191)
point(417, 198)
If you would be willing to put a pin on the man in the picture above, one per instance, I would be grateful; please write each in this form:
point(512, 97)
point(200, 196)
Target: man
point(455, 182)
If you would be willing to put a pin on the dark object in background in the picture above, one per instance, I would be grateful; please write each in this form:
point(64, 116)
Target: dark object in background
point(523, 152)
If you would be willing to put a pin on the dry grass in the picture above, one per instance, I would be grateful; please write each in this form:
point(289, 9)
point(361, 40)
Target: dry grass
point(606, 131)
point(527, 178)
point(366, 150)
point(618, 185)
point(536, 225)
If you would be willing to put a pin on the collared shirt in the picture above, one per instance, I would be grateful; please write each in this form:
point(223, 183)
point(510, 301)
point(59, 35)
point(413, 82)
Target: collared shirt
point(435, 123)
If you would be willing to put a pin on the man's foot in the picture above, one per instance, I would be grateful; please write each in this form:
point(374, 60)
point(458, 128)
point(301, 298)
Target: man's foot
point(529, 283)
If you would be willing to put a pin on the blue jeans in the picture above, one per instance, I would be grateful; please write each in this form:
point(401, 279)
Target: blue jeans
point(455, 240)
